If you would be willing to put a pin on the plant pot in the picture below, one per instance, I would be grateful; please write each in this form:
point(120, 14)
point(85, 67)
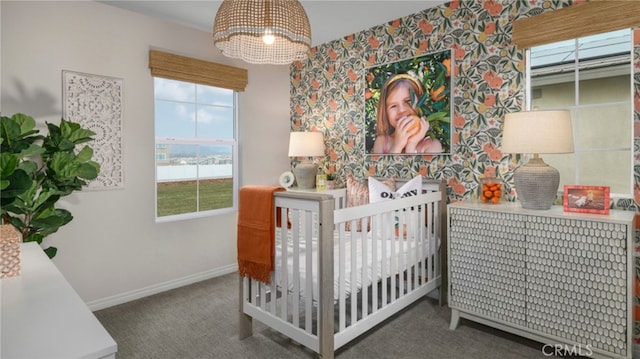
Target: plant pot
point(9, 251)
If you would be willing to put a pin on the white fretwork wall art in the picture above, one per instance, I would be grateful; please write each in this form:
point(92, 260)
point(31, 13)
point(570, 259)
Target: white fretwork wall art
point(95, 102)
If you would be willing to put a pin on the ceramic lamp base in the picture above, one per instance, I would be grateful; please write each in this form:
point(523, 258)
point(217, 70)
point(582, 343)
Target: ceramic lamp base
point(536, 184)
point(305, 173)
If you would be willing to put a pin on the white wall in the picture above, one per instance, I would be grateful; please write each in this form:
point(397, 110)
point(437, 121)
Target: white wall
point(113, 251)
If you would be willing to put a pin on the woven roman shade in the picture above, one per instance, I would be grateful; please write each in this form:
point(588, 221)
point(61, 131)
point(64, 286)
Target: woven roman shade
point(580, 20)
point(181, 68)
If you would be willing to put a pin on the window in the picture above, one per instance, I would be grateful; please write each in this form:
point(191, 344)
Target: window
point(195, 149)
point(591, 77)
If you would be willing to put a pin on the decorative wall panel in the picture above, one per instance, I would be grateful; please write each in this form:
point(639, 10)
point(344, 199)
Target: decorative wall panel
point(95, 102)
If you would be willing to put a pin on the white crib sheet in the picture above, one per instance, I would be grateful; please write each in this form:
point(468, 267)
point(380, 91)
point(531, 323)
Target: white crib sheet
point(399, 255)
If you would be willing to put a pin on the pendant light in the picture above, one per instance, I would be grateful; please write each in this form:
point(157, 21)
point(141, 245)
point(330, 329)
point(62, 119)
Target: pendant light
point(262, 31)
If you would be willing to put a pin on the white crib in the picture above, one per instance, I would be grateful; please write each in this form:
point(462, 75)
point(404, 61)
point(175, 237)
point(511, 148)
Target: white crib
point(331, 285)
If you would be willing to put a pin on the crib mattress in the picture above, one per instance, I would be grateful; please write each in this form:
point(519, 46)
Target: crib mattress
point(385, 256)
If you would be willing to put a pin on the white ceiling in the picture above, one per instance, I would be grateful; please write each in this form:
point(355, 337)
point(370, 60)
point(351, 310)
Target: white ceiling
point(330, 20)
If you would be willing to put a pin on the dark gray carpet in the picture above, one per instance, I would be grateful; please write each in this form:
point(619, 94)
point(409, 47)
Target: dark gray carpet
point(200, 321)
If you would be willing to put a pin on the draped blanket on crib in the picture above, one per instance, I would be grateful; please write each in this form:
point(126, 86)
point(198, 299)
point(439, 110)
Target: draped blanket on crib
point(256, 231)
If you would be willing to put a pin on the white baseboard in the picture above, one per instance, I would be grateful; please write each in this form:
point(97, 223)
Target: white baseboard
point(159, 288)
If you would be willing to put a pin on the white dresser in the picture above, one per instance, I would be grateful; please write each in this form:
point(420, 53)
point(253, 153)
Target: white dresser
point(564, 279)
point(43, 317)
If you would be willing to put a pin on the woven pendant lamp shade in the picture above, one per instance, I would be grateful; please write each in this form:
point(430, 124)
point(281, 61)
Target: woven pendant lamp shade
point(240, 25)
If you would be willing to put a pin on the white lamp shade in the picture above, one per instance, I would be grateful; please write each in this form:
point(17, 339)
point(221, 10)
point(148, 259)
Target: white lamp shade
point(537, 132)
point(306, 144)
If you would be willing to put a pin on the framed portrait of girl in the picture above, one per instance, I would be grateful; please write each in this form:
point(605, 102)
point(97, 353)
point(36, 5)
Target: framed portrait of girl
point(408, 106)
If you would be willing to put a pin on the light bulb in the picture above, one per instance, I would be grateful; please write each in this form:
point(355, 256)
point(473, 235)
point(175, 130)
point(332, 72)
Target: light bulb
point(268, 37)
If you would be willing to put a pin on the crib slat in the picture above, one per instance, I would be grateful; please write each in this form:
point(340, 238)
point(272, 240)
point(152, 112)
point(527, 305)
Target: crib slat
point(364, 274)
point(412, 242)
point(424, 248)
point(393, 265)
point(353, 286)
point(401, 244)
point(435, 259)
point(341, 275)
point(259, 297)
point(377, 229)
point(419, 243)
point(434, 221)
point(284, 268)
point(386, 238)
point(296, 281)
point(415, 242)
point(311, 286)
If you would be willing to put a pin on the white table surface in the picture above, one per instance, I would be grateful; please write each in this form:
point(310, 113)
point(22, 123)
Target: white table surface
point(43, 317)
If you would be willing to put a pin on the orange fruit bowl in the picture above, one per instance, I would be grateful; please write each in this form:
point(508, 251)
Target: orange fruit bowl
point(490, 190)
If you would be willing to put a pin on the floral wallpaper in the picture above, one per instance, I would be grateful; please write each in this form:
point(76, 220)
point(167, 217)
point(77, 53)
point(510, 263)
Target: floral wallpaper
point(327, 94)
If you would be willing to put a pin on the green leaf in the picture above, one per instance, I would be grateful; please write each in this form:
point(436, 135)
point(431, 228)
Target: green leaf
point(74, 133)
point(85, 154)
point(17, 183)
point(34, 237)
point(26, 123)
point(44, 201)
point(51, 252)
point(64, 164)
point(8, 164)
point(438, 116)
point(89, 170)
point(17, 133)
point(49, 222)
point(32, 150)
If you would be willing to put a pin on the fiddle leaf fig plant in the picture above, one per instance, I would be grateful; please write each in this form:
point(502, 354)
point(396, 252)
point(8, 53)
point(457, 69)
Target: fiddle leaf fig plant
point(36, 171)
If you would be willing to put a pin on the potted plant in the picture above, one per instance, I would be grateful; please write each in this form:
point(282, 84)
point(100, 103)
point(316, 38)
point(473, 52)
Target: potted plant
point(36, 171)
point(331, 181)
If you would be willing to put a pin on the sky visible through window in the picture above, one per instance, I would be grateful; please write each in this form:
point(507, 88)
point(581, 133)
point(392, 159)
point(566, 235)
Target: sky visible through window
point(185, 110)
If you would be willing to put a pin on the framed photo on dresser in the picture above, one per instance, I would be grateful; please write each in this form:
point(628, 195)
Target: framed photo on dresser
point(586, 199)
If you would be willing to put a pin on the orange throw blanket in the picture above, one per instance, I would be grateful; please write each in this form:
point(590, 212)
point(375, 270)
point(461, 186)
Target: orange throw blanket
point(256, 231)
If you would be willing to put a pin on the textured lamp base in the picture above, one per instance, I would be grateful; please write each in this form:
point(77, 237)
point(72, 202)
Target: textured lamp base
point(305, 173)
point(536, 184)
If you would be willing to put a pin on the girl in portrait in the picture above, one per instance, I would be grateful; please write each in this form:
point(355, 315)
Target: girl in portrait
point(399, 129)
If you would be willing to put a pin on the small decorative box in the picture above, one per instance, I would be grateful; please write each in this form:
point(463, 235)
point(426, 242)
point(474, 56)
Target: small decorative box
point(9, 251)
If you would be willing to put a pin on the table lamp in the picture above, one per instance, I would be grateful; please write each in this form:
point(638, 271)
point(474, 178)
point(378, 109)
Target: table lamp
point(537, 132)
point(307, 145)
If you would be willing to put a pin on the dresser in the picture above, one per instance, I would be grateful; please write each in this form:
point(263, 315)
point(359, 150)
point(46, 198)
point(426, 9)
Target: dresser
point(44, 318)
point(563, 279)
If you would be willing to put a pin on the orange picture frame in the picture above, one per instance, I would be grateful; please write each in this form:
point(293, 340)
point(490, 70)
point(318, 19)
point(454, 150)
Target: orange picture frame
point(586, 199)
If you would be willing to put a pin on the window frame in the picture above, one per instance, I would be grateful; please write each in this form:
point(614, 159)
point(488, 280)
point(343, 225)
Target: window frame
point(232, 142)
point(577, 107)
